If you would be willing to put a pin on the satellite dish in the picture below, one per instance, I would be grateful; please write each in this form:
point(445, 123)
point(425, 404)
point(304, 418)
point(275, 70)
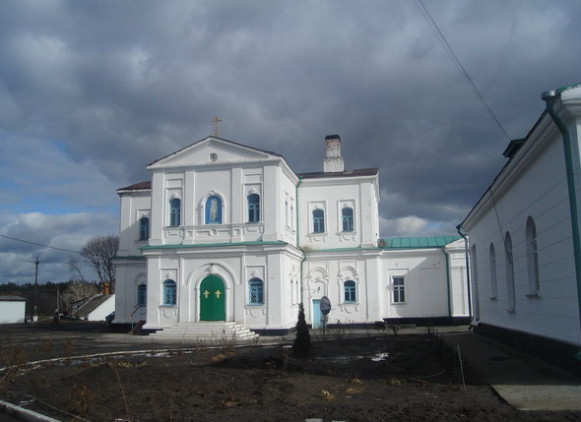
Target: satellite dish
point(325, 305)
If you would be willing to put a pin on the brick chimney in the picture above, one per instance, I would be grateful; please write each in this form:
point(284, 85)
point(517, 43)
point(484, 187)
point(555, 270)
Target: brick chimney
point(333, 161)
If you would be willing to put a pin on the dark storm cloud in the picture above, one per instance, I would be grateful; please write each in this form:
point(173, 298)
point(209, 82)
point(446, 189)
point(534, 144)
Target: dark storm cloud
point(91, 92)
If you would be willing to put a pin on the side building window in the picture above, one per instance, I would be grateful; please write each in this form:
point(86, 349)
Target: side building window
point(510, 289)
point(253, 208)
point(141, 294)
point(398, 290)
point(143, 228)
point(493, 279)
point(175, 206)
point(347, 214)
point(214, 210)
point(255, 291)
point(350, 295)
point(532, 257)
point(318, 221)
point(169, 292)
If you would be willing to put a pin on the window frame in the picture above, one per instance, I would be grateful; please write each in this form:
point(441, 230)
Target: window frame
point(169, 294)
point(398, 297)
point(141, 294)
point(208, 210)
point(318, 215)
point(347, 220)
point(510, 285)
point(493, 272)
point(175, 212)
point(349, 291)
point(534, 282)
point(255, 292)
point(143, 228)
point(253, 208)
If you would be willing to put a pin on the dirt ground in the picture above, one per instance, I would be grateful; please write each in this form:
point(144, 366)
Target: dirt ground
point(379, 377)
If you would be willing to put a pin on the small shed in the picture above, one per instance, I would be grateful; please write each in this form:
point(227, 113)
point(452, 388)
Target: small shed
point(12, 309)
point(95, 308)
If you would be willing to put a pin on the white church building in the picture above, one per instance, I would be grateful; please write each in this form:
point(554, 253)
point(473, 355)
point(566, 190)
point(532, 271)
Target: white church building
point(525, 239)
point(226, 232)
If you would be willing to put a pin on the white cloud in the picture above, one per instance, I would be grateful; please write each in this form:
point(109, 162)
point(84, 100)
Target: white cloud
point(66, 231)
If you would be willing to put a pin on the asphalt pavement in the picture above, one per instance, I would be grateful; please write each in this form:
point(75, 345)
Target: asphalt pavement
point(522, 381)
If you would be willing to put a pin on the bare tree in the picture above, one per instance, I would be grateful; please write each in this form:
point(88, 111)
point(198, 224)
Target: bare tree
point(75, 268)
point(79, 289)
point(100, 251)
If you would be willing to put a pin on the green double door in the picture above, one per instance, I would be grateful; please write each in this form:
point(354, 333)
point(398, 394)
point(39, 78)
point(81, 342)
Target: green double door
point(212, 299)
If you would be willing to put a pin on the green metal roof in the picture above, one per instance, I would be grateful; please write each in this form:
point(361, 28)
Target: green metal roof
point(417, 242)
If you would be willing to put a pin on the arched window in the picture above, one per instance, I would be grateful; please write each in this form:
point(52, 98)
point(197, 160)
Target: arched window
point(318, 221)
point(141, 294)
point(143, 228)
point(347, 214)
point(169, 292)
point(214, 210)
point(511, 295)
point(349, 291)
point(532, 257)
point(475, 282)
point(175, 212)
point(493, 281)
point(253, 208)
point(255, 291)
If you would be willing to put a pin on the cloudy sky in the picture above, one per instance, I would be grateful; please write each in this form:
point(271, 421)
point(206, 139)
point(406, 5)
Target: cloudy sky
point(92, 91)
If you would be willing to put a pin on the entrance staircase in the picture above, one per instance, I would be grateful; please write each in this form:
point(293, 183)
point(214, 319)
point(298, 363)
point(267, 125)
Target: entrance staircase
point(212, 332)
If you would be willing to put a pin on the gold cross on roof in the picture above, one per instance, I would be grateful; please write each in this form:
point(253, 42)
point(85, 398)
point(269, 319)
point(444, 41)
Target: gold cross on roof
point(216, 120)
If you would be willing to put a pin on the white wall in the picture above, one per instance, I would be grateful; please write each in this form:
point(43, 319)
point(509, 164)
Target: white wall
point(129, 274)
point(103, 310)
point(12, 312)
point(424, 272)
point(235, 266)
point(332, 194)
point(133, 206)
point(532, 184)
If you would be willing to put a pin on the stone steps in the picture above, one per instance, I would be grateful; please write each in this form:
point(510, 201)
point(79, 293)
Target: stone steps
point(211, 332)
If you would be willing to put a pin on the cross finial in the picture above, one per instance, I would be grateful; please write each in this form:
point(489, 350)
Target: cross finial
point(216, 120)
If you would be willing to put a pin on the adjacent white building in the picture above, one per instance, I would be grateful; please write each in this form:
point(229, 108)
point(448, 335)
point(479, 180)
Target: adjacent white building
point(225, 232)
point(524, 236)
point(12, 309)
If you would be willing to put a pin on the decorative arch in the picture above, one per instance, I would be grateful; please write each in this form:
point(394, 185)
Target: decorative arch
point(207, 210)
point(317, 282)
point(196, 276)
point(348, 272)
point(140, 278)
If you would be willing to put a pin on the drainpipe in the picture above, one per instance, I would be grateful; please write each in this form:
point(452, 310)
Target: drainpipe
point(461, 233)
point(550, 97)
point(447, 258)
point(298, 237)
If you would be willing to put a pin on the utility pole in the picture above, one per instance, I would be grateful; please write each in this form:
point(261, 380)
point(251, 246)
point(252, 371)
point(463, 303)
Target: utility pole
point(35, 309)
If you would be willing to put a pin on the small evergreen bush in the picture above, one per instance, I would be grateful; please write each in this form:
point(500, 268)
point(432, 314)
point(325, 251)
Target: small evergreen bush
point(302, 343)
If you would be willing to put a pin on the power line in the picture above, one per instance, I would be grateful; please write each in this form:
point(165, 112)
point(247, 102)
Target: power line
point(38, 244)
point(450, 52)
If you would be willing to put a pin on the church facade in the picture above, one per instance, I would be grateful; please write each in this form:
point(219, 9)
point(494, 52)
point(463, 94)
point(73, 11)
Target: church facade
point(226, 232)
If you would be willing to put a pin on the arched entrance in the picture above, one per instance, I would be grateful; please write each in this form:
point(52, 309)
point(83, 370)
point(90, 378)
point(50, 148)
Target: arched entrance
point(212, 299)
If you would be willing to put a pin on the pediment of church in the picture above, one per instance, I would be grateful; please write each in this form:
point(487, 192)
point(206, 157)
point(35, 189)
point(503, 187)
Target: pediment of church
point(212, 150)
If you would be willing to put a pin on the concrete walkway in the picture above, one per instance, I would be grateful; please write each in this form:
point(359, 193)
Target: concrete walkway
point(522, 381)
